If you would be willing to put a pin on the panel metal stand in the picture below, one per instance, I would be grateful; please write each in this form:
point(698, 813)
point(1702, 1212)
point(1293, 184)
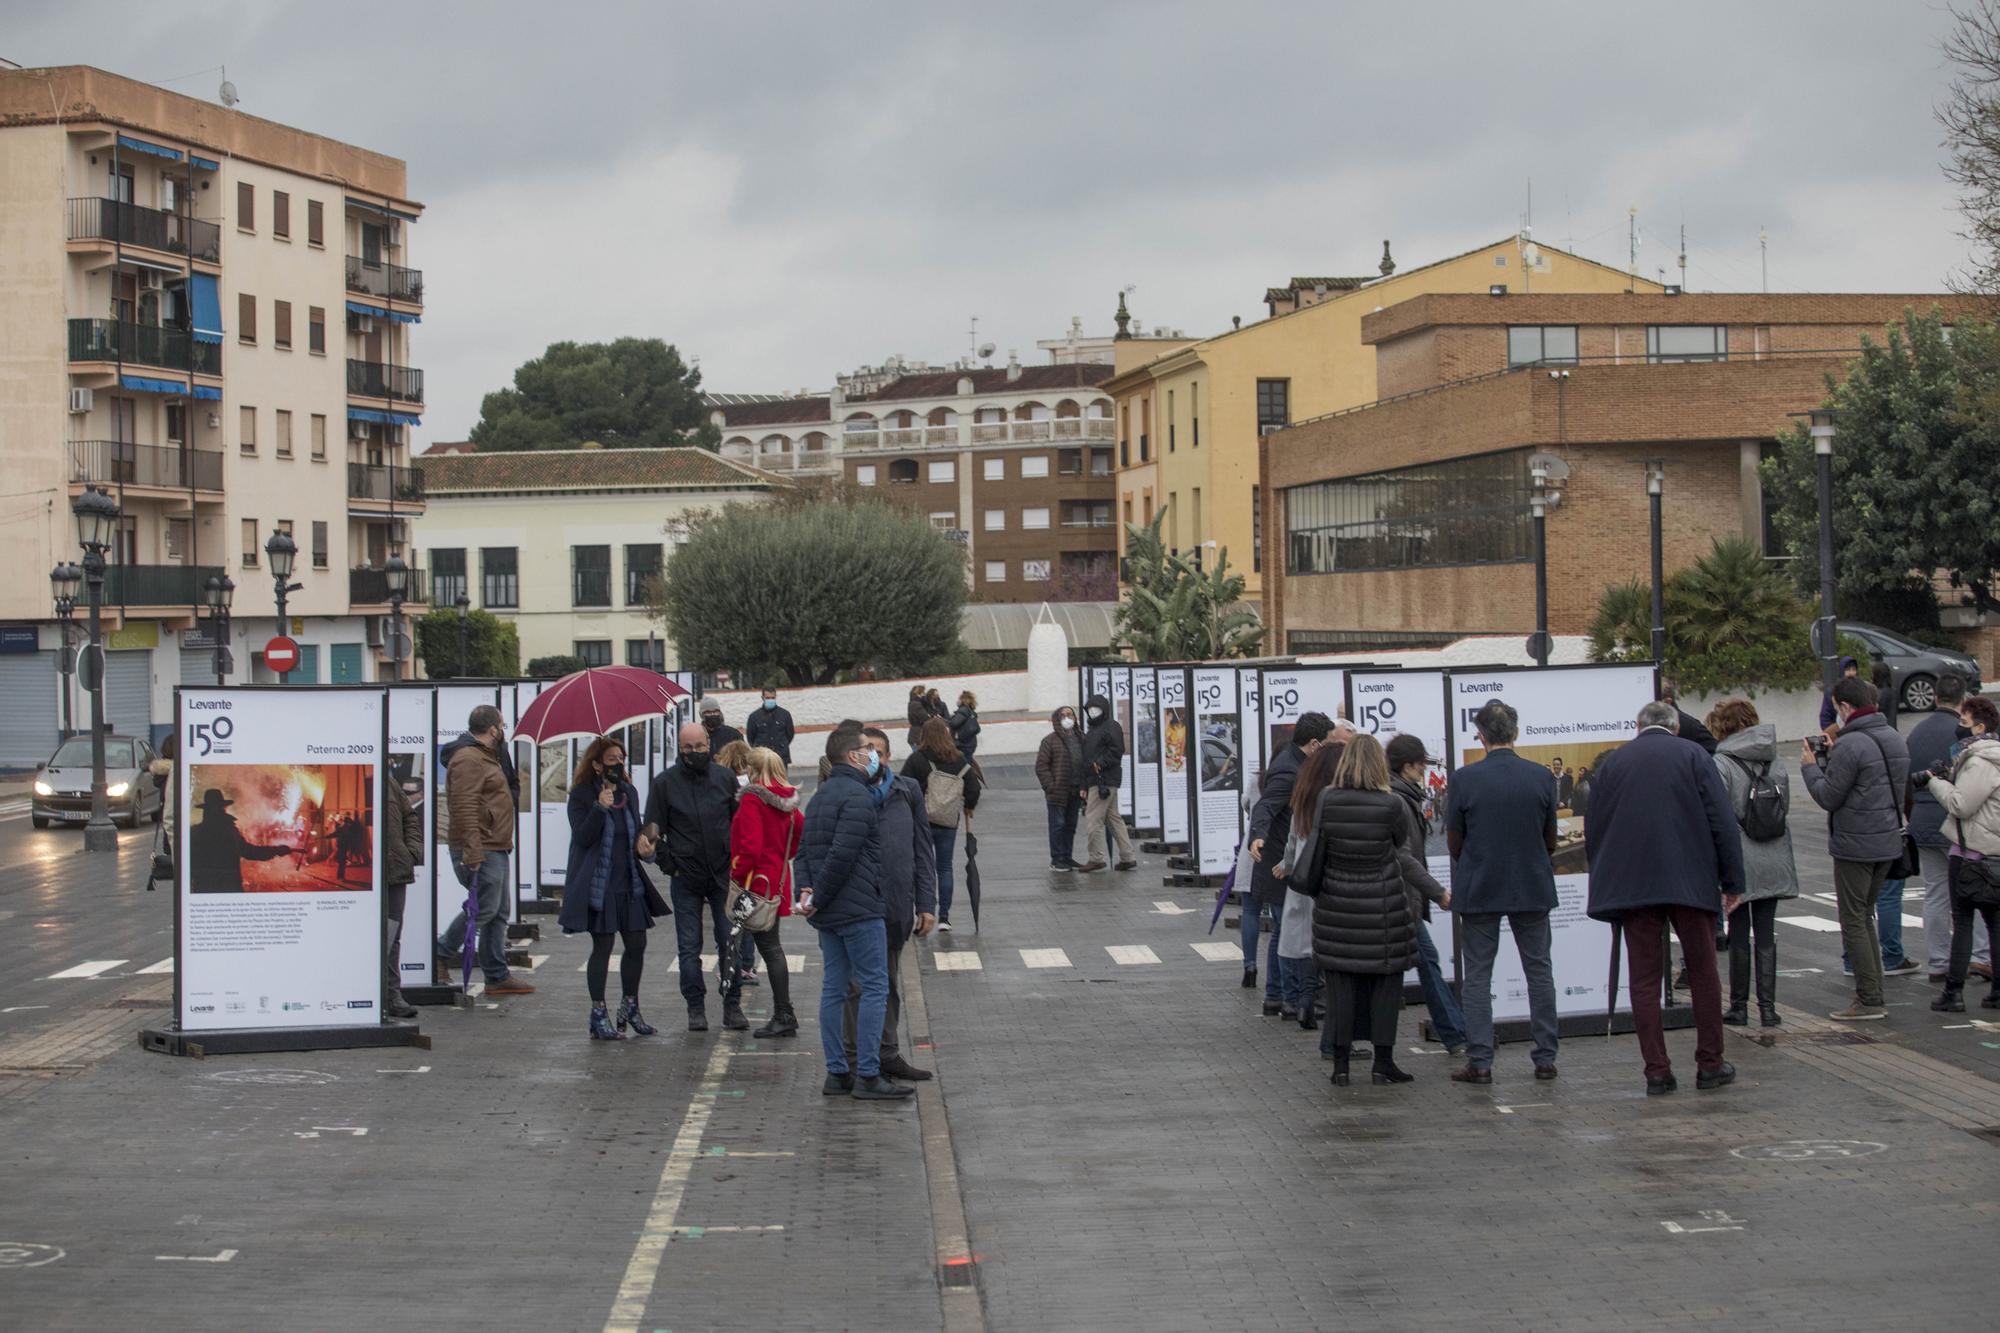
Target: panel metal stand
point(253, 1041)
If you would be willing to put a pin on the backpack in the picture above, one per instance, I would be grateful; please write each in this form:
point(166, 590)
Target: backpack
point(1764, 816)
point(944, 798)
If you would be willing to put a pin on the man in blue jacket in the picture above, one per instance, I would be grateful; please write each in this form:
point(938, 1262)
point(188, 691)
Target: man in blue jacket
point(1661, 838)
point(840, 863)
point(909, 898)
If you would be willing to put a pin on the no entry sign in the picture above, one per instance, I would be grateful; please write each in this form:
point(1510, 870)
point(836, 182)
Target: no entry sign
point(281, 654)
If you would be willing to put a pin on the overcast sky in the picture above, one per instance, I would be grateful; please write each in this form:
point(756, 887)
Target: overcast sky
point(789, 190)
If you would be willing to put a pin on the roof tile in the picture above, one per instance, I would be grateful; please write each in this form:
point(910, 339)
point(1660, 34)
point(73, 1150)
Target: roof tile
point(583, 470)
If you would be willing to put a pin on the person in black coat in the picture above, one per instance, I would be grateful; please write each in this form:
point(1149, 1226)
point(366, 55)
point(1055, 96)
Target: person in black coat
point(605, 893)
point(1104, 771)
point(1661, 838)
point(1690, 727)
point(720, 733)
point(770, 727)
point(688, 810)
point(1286, 989)
point(964, 724)
point(909, 899)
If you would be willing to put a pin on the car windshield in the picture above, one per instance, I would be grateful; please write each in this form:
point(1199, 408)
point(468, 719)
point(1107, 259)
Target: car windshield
point(75, 753)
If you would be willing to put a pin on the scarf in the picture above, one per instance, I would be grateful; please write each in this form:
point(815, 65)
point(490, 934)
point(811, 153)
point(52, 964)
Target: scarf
point(601, 875)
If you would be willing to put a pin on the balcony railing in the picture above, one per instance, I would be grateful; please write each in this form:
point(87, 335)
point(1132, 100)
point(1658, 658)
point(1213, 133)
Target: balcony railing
point(861, 439)
point(940, 435)
point(366, 379)
point(157, 585)
point(373, 481)
point(902, 437)
point(377, 277)
point(152, 228)
point(116, 462)
point(142, 345)
point(1032, 430)
point(370, 587)
point(989, 432)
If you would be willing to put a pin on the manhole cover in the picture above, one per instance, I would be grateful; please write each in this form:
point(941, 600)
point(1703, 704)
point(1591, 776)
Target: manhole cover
point(273, 1078)
point(1808, 1150)
point(21, 1254)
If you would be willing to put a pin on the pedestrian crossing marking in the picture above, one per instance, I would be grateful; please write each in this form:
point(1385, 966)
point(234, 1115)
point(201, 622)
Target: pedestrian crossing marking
point(957, 960)
point(1819, 924)
point(1217, 951)
point(794, 962)
point(1044, 958)
point(1130, 955)
point(1915, 922)
point(96, 967)
point(164, 965)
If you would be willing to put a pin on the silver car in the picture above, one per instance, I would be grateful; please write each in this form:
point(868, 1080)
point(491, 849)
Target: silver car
point(62, 786)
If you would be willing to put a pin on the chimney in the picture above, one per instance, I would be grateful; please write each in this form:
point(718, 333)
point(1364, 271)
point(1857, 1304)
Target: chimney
point(1387, 265)
point(1013, 365)
point(1123, 319)
point(1236, 321)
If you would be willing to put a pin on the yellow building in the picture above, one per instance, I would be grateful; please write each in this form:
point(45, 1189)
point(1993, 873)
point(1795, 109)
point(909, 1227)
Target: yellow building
point(1188, 421)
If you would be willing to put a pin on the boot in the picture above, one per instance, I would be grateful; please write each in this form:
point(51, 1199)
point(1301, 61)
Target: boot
point(1385, 1070)
point(1739, 989)
point(601, 1028)
point(392, 971)
point(397, 1006)
point(732, 1013)
point(1952, 1001)
point(1340, 1054)
point(1992, 1000)
point(1767, 983)
point(784, 1023)
point(1307, 1018)
point(629, 1016)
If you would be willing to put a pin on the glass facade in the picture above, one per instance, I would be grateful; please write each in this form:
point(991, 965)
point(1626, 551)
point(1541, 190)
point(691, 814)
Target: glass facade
point(1468, 511)
point(1536, 344)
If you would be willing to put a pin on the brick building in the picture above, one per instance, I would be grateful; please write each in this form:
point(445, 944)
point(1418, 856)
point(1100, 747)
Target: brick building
point(1405, 522)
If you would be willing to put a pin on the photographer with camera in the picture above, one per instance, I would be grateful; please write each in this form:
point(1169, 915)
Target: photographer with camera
point(1967, 787)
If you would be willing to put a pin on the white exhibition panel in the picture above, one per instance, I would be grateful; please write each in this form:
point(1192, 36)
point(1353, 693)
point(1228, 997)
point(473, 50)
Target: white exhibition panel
point(1145, 742)
point(1387, 704)
point(1289, 693)
point(1251, 692)
point(280, 798)
point(409, 748)
point(1121, 709)
point(1215, 755)
point(1176, 801)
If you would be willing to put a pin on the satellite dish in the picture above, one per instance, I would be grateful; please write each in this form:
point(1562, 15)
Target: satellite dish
point(1531, 254)
point(1556, 467)
point(987, 350)
point(227, 93)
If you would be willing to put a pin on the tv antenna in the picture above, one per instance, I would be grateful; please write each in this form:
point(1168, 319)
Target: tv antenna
point(227, 92)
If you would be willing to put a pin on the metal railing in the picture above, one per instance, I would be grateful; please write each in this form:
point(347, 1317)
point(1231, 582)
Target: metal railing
point(391, 282)
point(118, 462)
point(367, 379)
point(375, 481)
point(142, 344)
point(370, 587)
point(151, 228)
point(157, 585)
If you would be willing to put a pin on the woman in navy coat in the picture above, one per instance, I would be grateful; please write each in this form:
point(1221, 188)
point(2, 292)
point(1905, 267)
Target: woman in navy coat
point(605, 893)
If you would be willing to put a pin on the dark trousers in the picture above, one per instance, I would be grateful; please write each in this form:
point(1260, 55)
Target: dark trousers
point(1758, 919)
point(1962, 912)
point(1350, 993)
point(688, 901)
point(395, 900)
point(631, 964)
point(1646, 946)
point(892, 1016)
point(767, 944)
point(1063, 815)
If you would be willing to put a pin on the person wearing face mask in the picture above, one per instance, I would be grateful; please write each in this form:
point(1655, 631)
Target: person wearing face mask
point(770, 727)
point(1103, 771)
point(950, 784)
point(688, 813)
point(1059, 768)
point(720, 733)
point(605, 894)
point(479, 805)
point(1967, 789)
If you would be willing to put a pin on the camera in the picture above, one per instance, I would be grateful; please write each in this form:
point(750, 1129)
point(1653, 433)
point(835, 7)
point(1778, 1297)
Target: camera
point(1818, 745)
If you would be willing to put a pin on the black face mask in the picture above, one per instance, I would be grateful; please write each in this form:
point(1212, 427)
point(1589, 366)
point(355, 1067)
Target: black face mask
point(615, 772)
point(695, 761)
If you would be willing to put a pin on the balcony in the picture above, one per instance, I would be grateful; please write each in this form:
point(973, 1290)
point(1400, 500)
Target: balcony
point(119, 463)
point(142, 345)
point(940, 435)
point(903, 437)
point(157, 585)
point(366, 379)
point(989, 432)
point(370, 587)
point(147, 228)
point(372, 481)
point(391, 282)
point(1032, 430)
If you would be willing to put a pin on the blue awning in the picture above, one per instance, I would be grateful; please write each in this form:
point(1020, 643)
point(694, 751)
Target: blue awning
point(204, 163)
point(356, 308)
point(209, 392)
point(383, 418)
point(367, 207)
point(140, 145)
point(207, 308)
point(144, 385)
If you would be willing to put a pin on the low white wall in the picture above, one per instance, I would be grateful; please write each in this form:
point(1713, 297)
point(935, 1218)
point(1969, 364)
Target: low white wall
point(1796, 712)
point(888, 700)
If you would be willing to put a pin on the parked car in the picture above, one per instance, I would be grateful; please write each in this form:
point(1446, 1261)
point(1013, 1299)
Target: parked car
point(1914, 667)
point(62, 786)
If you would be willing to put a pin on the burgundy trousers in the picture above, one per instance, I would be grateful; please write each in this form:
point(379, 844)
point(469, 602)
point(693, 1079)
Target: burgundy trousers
point(1646, 946)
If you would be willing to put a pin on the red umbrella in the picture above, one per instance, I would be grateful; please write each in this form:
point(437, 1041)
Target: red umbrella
point(596, 702)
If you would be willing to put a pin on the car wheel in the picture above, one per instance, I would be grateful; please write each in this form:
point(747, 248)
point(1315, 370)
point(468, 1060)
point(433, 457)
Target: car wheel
point(131, 819)
point(39, 821)
point(1920, 694)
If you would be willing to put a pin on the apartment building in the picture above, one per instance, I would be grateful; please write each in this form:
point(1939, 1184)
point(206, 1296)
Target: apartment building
point(1406, 523)
point(210, 317)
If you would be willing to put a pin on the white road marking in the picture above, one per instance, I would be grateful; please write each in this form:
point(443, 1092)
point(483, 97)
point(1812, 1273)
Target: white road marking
point(420, 1069)
point(222, 1258)
point(535, 961)
point(164, 965)
point(1130, 955)
point(1834, 900)
point(1812, 923)
point(1044, 958)
point(1217, 951)
point(93, 968)
point(957, 960)
point(1165, 908)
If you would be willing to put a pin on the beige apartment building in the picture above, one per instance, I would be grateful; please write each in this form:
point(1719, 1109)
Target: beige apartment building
point(209, 317)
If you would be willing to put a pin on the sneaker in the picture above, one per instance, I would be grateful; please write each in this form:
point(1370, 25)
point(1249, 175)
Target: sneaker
point(1902, 969)
point(944, 927)
point(748, 979)
point(510, 986)
point(1859, 1013)
point(1984, 971)
point(1128, 865)
point(837, 1085)
point(1091, 867)
point(1721, 1076)
point(1061, 867)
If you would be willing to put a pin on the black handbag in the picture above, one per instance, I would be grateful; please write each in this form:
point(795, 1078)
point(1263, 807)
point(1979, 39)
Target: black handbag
point(163, 857)
point(1906, 865)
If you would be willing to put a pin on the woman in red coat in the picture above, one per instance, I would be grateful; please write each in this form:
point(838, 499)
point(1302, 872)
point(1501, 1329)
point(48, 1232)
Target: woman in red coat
point(763, 838)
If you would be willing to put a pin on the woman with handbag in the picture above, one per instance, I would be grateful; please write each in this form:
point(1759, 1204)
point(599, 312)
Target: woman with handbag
point(605, 893)
point(763, 839)
point(951, 793)
point(1970, 795)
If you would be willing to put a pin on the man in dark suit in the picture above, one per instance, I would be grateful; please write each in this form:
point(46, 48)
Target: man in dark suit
point(1661, 838)
point(1565, 782)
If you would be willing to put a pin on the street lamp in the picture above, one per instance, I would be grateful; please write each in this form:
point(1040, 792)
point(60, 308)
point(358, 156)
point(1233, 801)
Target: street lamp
point(1656, 485)
point(219, 593)
point(96, 528)
point(464, 605)
point(1826, 639)
point(397, 575)
point(283, 553)
point(63, 581)
point(1546, 472)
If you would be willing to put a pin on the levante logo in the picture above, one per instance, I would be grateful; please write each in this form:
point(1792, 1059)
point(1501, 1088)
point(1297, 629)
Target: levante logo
point(210, 736)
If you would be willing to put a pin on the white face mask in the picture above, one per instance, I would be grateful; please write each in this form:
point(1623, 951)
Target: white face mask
point(1097, 715)
point(1068, 723)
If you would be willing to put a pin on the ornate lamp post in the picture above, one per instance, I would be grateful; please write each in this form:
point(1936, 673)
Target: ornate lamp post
point(397, 575)
point(63, 582)
point(283, 553)
point(218, 595)
point(1820, 424)
point(96, 529)
point(1546, 473)
point(464, 605)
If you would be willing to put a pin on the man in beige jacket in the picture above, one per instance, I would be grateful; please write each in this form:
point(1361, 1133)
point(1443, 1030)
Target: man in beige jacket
point(479, 806)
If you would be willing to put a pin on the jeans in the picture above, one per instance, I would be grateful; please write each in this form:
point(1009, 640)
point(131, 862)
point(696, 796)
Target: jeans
point(1646, 945)
point(1481, 945)
point(944, 840)
point(856, 954)
point(1300, 981)
point(1888, 925)
point(688, 902)
point(1102, 814)
point(892, 1012)
point(1252, 917)
point(1062, 829)
point(1937, 913)
point(1856, 884)
point(1447, 1019)
point(492, 926)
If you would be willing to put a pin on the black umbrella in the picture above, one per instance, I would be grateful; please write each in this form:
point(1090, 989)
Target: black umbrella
point(972, 874)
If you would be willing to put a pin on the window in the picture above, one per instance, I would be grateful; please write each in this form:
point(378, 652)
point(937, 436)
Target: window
point(644, 654)
point(281, 215)
point(1035, 465)
point(1069, 463)
point(590, 576)
point(316, 329)
point(996, 571)
point(246, 429)
point(447, 575)
point(941, 473)
point(1534, 344)
point(903, 472)
point(996, 520)
point(642, 565)
point(1256, 529)
point(1034, 518)
point(945, 520)
point(864, 475)
point(246, 318)
point(315, 223)
point(1035, 571)
point(1170, 421)
point(281, 324)
point(593, 652)
point(246, 206)
point(499, 577)
point(1687, 342)
point(250, 547)
point(1470, 511)
point(318, 438)
point(1194, 413)
point(1195, 510)
point(1274, 403)
point(995, 469)
point(319, 544)
point(176, 423)
point(284, 434)
point(1100, 462)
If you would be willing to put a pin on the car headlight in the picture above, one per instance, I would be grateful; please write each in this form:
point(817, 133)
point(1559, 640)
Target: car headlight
point(117, 789)
point(43, 789)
